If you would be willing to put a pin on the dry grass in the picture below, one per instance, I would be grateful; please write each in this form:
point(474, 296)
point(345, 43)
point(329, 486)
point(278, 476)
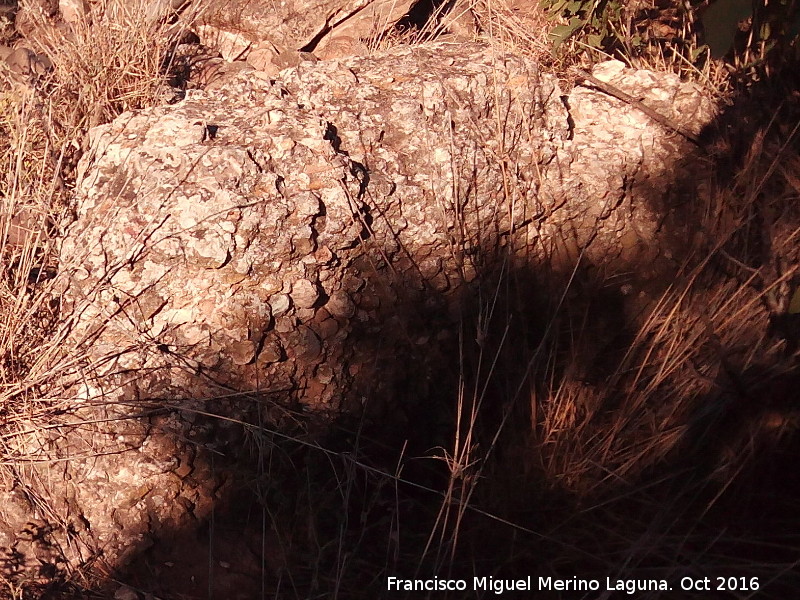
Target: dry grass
point(696, 408)
point(99, 71)
point(103, 68)
point(516, 25)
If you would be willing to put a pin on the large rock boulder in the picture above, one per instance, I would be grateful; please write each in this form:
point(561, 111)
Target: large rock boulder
point(303, 246)
point(260, 235)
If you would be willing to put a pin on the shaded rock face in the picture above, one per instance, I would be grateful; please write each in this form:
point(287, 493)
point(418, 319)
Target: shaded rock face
point(274, 248)
point(631, 171)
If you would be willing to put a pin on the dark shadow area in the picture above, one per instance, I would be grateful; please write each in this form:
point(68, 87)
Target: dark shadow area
point(336, 512)
point(421, 14)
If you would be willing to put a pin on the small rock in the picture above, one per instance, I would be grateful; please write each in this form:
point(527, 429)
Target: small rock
point(263, 59)
point(279, 304)
point(305, 344)
point(325, 374)
point(184, 470)
point(292, 58)
point(272, 352)
point(243, 352)
point(125, 593)
point(285, 324)
point(72, 11)
point(328, 328)
point(340, 305)
point(305, 293)
point(231, 45)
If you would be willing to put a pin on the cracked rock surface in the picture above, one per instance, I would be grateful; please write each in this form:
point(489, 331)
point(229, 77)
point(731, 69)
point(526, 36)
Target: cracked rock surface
point(276, 248)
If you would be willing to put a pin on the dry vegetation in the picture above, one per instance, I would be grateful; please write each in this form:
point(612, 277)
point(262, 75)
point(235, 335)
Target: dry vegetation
point(674, 458)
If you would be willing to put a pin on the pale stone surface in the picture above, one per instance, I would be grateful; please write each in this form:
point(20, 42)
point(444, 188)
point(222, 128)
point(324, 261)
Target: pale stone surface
point(23, 62)
point(73, 11)
point(230, 44)
point(279, 244)
point(262, 58)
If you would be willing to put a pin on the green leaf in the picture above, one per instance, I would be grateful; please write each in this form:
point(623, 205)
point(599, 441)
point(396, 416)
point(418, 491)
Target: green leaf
point(556, 7)
point(576, 6)
point(697, 52)
point(794, 303)
point(594, 40)
point(561, 32)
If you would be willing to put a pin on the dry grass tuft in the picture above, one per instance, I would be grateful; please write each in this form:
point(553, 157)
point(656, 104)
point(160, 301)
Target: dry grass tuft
point(111, 63)
point(694, 421)
point(516, 25)
point(104, 66)
point(99, 69)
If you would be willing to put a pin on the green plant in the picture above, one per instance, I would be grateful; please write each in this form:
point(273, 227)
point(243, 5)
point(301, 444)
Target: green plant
point(642, 34)
point(597, 21)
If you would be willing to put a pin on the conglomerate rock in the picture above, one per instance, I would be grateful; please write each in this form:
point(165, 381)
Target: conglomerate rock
point(272, 35)
point(301, 245)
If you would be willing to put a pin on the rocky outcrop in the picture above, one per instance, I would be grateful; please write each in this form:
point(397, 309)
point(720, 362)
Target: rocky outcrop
point(303, 246)
point(330, 28)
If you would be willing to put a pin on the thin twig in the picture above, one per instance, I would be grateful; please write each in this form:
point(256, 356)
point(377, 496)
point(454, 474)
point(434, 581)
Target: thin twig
point(617, 93)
